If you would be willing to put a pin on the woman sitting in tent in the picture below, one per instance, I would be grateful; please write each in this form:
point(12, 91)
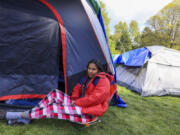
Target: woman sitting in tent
point(89, 98)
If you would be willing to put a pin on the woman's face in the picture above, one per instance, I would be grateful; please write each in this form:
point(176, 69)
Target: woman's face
point(92, 70)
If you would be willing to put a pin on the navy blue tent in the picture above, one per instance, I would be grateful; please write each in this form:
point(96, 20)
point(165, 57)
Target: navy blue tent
point(46, 44)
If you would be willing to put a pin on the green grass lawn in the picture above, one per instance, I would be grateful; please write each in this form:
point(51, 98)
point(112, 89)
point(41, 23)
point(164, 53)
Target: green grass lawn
point(143, 116)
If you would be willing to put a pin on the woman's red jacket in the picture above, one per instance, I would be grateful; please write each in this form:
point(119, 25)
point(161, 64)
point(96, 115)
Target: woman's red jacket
point(97, 94)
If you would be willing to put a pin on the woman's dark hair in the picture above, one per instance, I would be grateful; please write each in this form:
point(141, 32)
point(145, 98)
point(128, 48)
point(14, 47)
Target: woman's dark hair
point(97, 63)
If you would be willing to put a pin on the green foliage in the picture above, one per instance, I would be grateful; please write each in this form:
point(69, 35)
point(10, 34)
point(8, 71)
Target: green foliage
point(125, 42)
point(112, 40)
point(143, 116)
point(116, 36)
point(134, 34)
point(122, 37)
point(112, 45)
point(148, 38)
point(106, 19)
point(165, 27)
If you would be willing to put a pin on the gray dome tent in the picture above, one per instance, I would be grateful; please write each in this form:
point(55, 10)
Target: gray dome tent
point(159, 75)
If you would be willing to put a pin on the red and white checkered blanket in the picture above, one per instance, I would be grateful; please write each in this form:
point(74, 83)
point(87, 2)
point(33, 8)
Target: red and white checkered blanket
point(59, 105)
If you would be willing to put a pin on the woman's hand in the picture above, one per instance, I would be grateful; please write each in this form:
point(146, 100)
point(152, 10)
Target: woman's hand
point(73, 102)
